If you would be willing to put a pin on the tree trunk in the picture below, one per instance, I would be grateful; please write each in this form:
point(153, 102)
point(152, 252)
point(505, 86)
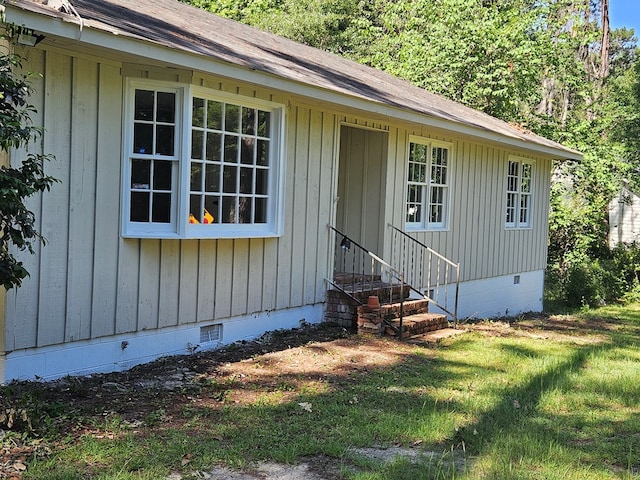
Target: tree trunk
point(604, 49)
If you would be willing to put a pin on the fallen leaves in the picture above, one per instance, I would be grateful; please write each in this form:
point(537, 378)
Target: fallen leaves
point(14, 457)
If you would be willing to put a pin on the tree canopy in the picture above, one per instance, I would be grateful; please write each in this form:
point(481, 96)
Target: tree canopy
point(551, 66)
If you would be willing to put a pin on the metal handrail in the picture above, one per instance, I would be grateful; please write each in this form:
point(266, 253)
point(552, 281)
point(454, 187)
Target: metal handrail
point(410, 267)
point(375, 259)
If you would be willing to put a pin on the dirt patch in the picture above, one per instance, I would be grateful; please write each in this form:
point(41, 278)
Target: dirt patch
point(313, 468)
point(560, 328)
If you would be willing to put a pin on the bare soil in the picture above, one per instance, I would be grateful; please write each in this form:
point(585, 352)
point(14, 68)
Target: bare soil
point(297, 358)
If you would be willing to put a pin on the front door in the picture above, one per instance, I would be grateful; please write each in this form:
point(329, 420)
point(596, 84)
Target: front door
point(362, 186)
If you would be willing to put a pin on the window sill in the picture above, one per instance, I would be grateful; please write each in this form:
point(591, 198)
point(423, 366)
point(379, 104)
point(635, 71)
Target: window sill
point(511, 228)
point(410, 228)
point(202, 234)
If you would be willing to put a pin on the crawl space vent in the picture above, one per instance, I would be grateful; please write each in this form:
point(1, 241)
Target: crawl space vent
point(211, 333)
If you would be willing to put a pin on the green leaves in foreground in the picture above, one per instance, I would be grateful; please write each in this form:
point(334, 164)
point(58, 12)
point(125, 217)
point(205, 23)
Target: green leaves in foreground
point(26, 178)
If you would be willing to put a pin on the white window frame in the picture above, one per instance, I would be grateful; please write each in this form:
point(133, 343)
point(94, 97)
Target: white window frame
point(518, 212)
point(179, 226)
point(428, 185)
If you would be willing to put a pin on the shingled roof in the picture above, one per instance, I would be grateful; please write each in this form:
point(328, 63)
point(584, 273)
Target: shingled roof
point(178, 26)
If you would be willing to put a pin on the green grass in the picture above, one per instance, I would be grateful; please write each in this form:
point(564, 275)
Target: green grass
point(506, 407)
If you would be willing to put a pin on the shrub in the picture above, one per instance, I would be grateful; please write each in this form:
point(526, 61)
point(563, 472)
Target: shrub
point(583, 285)
point(587, 282)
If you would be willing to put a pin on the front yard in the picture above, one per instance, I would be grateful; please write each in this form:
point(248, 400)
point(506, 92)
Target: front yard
point(529, 398)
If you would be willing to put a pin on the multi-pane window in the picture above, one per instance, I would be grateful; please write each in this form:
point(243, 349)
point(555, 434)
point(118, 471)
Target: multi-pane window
point(153, 157)
point(200, 164)
point(519, 178)
point(427, 185)
point(230, 163)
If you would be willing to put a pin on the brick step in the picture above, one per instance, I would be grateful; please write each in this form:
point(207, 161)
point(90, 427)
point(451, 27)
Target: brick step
point(418, 324)
point(409, 307)
point(381, 290)
point(389, 311)
point(415, 313)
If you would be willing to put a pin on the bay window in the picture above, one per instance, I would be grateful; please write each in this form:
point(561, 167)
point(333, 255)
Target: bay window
point(200, 163)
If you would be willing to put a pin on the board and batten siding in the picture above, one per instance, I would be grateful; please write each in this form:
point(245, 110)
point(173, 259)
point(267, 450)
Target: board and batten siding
point(88, 282)
point(476, 236)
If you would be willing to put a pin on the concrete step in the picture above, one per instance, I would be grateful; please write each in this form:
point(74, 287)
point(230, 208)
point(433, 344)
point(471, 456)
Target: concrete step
point(435, 336)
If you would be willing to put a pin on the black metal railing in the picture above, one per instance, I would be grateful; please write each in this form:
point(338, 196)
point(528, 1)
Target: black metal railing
point(427, 272)
point(358, 272)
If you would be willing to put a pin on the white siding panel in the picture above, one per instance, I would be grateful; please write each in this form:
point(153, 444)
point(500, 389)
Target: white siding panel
point(483, 208)
point(128, 286)
point(240, 282)
point(300, 220)
point(149, 295)
point(486, 227)
point(224, 279)
point(189, 265)
point(394, 205)
point(269, 281)
point(283, 275)
point(499, 215)
point(206, 280)
point(55, 211)
point(23, 303)
point(311, 250)
point(169, 282)
point(256, 275)
point(325, 203)
point(458, 212)
point(105, 273)
point(82, 206)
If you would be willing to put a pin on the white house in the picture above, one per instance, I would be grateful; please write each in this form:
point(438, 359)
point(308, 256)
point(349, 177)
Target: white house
point(201, 163)
point(624, 217)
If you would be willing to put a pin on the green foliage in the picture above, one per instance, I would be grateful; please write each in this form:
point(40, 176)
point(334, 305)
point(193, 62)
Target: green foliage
point(17, 222)
point(587, 282)
point(536, 64)
point(27, 411)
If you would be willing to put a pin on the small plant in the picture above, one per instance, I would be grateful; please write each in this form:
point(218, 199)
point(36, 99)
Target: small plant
point(30, 412)
point(155, 418)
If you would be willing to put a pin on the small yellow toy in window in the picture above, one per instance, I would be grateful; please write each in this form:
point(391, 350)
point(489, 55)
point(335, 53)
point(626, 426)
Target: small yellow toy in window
point(193, 219)
point(208, 218)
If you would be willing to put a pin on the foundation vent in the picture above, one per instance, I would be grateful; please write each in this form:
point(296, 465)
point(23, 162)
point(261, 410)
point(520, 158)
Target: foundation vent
point(211, 333)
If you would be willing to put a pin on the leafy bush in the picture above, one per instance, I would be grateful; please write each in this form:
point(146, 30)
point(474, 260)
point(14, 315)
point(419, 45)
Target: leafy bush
point(583, 285)
point(589, 283)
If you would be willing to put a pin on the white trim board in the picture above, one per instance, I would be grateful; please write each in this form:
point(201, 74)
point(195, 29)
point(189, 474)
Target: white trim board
point(103, 355)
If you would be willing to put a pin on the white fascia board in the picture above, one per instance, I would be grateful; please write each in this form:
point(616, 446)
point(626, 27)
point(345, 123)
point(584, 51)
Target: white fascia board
point(69, 28)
